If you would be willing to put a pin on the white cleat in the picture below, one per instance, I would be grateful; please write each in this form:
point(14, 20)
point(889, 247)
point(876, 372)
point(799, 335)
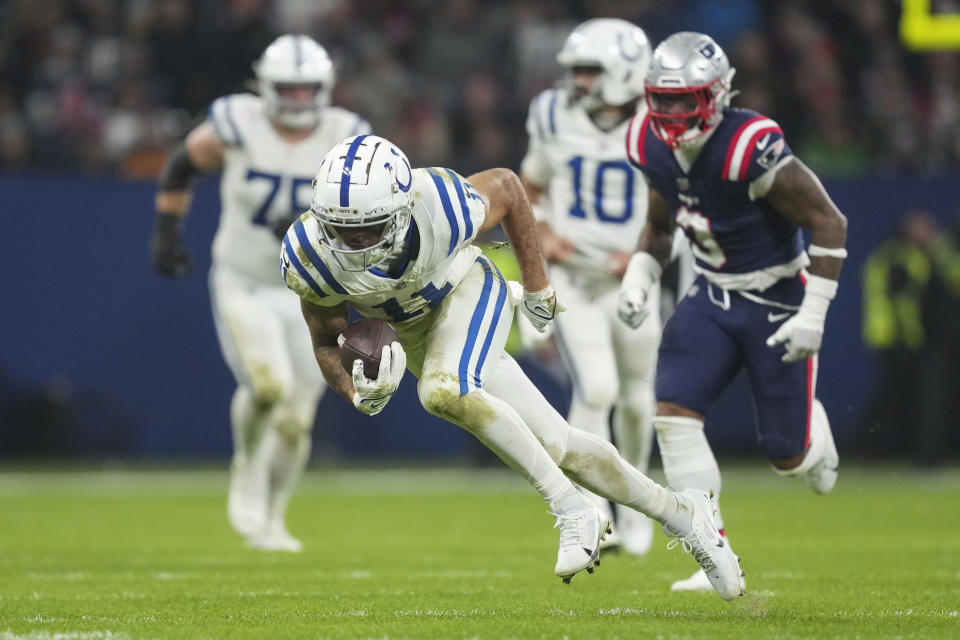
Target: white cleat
point(636, 532)
point(275, 538)
point(708, 547)
point(697, 582)
point(247, 501)
point(581, 533)
point(823, 475)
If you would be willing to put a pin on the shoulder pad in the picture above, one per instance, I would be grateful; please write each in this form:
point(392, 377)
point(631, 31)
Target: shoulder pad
point(231, 115)
point(302, 267)
point(348, 122)
point(542, 117)
point(457, 208)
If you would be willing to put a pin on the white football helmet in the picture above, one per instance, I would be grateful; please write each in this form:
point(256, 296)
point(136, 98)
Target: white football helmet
point(688, 88)
point(622, 52)
point(295, 78)
point(362, 201)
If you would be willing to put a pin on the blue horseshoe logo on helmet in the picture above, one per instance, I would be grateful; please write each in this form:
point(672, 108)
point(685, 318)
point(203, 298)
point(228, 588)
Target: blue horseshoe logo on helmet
point(629, 57)
point(396, 176)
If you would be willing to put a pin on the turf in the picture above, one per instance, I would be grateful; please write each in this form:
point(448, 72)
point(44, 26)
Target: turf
point(435, 553)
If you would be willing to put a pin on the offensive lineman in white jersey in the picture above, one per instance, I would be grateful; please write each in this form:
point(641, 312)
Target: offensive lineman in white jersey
point(267, 147)
point(396, 244)
point(590, 208)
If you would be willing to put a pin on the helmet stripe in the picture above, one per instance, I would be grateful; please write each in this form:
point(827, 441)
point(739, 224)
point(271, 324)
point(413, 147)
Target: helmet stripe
point(315, 258)
point(347, 170)
point(297, 52)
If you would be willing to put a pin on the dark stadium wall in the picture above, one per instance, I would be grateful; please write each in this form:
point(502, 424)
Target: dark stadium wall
point(99, 356)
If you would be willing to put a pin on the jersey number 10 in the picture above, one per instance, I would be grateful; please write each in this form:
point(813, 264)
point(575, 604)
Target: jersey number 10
point(577, 210)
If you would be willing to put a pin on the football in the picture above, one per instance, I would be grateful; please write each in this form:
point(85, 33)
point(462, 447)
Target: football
point(364, 340)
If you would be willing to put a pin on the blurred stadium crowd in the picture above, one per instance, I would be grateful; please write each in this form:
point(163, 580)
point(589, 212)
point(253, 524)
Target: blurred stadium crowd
point(106, 86)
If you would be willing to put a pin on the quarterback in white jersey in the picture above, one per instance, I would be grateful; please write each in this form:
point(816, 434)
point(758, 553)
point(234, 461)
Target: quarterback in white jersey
point(591, 207)
point(396, 243)
point(267, 147)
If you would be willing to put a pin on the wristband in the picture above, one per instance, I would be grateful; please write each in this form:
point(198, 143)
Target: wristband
point(816, 299)
point(815, 250)
point(168, 223)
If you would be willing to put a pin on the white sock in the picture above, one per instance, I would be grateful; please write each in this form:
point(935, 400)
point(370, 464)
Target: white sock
point(247, 421)
point(633, 425)
point(594, 420)
point(288, 456)
point(688, 460)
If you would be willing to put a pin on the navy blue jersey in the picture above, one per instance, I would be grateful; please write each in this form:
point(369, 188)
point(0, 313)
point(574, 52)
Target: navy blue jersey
point(730, 233)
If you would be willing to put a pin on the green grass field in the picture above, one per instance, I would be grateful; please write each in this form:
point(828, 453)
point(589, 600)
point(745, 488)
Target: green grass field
point(463, 554)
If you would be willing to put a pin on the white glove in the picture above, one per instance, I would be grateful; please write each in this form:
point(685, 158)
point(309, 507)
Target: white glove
point(803, 333)
point(643, 271)
point(632, 307)
point(373, 395)
point(541, 307)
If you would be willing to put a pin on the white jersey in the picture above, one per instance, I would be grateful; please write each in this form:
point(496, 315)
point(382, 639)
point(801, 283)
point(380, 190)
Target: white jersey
point(596, 199)
point(265, 179)
point(447, 213)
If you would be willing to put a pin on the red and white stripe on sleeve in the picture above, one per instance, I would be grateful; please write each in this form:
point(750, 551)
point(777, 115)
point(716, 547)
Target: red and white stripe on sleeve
point(743, 144)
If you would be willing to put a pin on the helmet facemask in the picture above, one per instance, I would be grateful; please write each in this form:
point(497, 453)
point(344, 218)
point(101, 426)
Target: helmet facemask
point(362, 202)
point(682, 115)
point(295, 105)
point(587, 93)
point(361, 241)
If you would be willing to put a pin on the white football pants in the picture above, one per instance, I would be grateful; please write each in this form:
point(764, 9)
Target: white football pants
point(467, 378)
point(611, 365)
point(267, 347)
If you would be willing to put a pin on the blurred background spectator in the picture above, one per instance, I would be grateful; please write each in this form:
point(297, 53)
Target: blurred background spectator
point(911, 297)
point(108, 85)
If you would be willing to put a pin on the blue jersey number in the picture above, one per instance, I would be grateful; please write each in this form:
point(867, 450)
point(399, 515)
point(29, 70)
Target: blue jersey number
point(274, 180)
point(430, 293)
point(577, 210)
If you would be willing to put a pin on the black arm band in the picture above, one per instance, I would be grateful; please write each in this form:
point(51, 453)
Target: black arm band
point(178, 170)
